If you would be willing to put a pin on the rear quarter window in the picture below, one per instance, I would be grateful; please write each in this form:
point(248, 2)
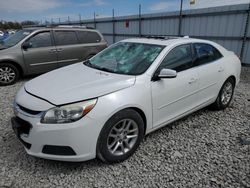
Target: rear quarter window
point(88, 37)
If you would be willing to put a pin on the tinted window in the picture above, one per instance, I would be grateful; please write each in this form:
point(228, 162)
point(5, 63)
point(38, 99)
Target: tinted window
point(88, 37)
point(65, 38)
point(40, 40)
point(205, 53)
point(179, 59)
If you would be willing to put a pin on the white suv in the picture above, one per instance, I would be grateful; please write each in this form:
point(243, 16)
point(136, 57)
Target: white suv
point(104, 106)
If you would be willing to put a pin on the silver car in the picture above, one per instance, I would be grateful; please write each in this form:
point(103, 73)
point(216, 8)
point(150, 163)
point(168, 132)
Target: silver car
point(38, 50)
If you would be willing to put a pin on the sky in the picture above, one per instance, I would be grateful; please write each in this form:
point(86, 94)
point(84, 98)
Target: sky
point(41, 10)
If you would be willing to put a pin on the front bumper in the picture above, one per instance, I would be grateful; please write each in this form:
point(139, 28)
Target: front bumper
point(65, 142)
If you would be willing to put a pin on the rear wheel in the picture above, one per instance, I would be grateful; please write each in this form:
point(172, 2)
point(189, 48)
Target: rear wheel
point(121, 136)
point(9, 74)
point(225, 96)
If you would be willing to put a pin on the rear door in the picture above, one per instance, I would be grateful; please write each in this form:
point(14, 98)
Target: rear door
point(41, 55)
point(210, 67)
point(68, 47)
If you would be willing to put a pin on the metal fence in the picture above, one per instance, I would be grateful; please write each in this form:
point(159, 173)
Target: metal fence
point(227, 25)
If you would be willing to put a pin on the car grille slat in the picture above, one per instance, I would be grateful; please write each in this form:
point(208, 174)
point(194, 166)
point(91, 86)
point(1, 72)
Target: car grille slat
point(32, 112)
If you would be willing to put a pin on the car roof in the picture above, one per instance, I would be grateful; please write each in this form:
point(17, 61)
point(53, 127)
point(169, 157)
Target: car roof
point(60, 28)
point(172, 41)
point(167, 41)
point(38, 29)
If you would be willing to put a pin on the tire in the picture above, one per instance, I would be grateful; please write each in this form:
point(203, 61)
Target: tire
point(9, 74)
point(120, 132)
point(225, 95)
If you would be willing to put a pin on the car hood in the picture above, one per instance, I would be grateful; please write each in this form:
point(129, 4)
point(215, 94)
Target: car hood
point(76, 83)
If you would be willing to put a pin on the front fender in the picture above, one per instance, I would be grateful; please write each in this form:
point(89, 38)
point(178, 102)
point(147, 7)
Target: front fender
point(137, 96)
point(14, 56)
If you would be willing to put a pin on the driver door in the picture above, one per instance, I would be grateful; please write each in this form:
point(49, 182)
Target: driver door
point(172, 97)
point(41, 55)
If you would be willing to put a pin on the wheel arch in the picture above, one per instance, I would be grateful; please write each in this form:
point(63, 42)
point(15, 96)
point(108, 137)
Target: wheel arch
point(217, 105)
point(135, 108)
point(233, 77)
point(227, 77)
point(17, 65)
point(143, 116)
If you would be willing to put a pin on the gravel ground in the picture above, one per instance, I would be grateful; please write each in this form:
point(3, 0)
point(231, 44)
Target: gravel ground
point(205, 149)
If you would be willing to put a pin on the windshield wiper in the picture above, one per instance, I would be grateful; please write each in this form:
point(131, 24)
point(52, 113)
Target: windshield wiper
point(87, 63)
point(105, 69)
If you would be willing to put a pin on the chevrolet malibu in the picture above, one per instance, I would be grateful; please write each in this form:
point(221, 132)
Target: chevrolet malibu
point(103, 107)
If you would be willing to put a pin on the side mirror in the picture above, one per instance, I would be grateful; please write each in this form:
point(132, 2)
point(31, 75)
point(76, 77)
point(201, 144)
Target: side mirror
point(167, 73)
point(26, 45)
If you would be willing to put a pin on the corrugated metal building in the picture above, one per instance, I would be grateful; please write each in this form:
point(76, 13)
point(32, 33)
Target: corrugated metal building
point(225, 25)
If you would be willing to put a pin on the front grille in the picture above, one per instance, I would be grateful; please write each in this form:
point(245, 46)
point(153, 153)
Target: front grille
point(32, 112)
point(58, 150)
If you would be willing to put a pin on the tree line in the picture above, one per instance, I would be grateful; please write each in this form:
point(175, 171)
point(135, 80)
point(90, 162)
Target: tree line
point(16, 25)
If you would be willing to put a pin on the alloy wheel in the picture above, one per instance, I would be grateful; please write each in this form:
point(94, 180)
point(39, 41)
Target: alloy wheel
point(122, 137)
point(7, 74)
point(227, 93)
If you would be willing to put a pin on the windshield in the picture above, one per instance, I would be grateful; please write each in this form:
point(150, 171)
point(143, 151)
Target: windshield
point(126, 58)
point(15, 38)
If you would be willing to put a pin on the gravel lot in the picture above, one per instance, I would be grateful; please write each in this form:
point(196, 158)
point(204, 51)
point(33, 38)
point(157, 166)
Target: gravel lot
point(205, 149)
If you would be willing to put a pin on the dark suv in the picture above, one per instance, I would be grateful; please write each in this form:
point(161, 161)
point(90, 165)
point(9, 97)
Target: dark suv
point(38, 50)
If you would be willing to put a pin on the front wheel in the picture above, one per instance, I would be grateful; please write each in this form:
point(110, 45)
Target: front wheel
point(9, 74)
point(225, 96)
point(120, 136)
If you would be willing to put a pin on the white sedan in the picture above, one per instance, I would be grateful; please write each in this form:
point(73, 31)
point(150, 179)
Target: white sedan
point(103, 107)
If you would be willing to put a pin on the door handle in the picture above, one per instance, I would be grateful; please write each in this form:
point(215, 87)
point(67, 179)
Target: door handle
point(192, 80)
point(53, 50)
point(221, 69)
point(59, 49)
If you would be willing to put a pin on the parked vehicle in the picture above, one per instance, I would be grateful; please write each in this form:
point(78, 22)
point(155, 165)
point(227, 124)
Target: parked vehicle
point(38, 50)
point(104, 106)
point(11, 32)
point(3, 36)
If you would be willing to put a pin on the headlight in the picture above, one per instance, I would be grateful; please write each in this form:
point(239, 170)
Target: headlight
point(68, 113)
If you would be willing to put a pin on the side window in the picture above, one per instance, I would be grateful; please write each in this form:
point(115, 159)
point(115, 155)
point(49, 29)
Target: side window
point(178, 59)
point(88, 37)
point(205, 53)
point(65, 38)
point(40, 40)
